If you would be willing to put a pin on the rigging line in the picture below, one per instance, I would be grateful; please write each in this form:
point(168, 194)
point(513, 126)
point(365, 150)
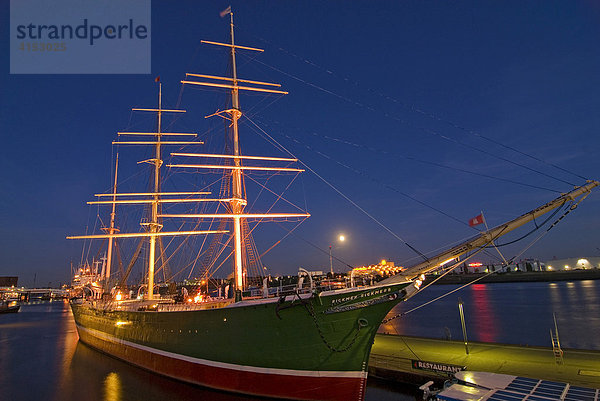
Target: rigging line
point(271, 141)
point(87, 254)
point(87, 226)
point(454, 266)
point(273, 205)
point(443, 247)
point(326, 252)
point(200, 252)
point(282, 238)
point(433, 163)
point(224, 260)
point(481, 174)
point(432, 132)
point(523, 153)
point(535, 229)
point(261, 189)
point(385, 185)
point(492, 241)
point(421, 111)
point(181, 244)
point(569, 210)
point(388, 186)
point(572, 207)
point(426, 130)
point(492, 255)
point(279, 196)
point(347, 198)
point(217, 256)
point(192, 264)
point(448, 293)
point(428, 162)
point(443, 295)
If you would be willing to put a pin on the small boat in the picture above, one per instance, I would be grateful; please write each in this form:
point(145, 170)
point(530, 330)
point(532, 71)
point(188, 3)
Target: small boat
point(9, 306)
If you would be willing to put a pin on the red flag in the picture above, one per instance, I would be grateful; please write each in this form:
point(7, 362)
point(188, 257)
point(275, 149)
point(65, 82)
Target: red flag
point(225, 12)
point(476, 220)
point(157, 79)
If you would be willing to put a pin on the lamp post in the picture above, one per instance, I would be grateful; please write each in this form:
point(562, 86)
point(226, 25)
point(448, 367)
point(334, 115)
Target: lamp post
point(330, 261)
point(341, 238)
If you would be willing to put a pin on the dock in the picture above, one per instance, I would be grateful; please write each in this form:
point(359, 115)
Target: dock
point(416, 359)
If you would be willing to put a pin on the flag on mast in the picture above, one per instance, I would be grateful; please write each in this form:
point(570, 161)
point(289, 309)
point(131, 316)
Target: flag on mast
point(476, 220)
point(225, 12)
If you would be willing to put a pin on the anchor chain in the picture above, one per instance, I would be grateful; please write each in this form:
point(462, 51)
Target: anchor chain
point(392, 318)
point(361, 323)
point(311, 311)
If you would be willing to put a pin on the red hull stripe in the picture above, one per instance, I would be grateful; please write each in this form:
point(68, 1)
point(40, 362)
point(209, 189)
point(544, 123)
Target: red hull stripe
point(271, 382)
point(224, 365)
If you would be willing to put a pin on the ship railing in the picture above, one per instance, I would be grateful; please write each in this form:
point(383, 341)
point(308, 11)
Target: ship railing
point(213, 304)
point(292, 289)
point(278, 291)
point(166, 305)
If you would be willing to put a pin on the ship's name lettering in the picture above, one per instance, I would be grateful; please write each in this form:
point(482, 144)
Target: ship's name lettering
point(362, 295)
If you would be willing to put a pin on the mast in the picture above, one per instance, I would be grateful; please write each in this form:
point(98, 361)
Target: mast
point(111, 229)
point(238, 202)
point(154, 226)
point(487, 237)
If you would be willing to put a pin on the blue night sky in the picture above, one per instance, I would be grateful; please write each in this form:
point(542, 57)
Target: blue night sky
point(378, 92)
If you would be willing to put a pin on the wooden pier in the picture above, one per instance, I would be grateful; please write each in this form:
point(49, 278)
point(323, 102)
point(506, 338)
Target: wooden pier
point(416, 360)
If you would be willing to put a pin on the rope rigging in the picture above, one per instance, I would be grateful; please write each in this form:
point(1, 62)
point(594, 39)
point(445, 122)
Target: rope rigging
point(407, 106)
point(388, 186)
point(339, 192)
point(420, 128)
point(572, 206)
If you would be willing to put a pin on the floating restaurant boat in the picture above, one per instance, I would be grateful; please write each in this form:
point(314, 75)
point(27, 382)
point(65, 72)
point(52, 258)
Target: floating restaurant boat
point(312, 343)
point(484, 386)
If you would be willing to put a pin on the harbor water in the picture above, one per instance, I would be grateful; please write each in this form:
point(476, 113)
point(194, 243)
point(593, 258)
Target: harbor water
point(509, 313)
point(41, 358)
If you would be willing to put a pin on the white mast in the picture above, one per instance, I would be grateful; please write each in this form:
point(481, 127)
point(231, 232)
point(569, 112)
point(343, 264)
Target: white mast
point(111, 228)
point(238, 202)
point(154, 226)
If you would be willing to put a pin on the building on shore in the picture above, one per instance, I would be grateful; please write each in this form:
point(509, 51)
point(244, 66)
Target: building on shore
point(8, 281)
point(531, 265)
point(580, 263)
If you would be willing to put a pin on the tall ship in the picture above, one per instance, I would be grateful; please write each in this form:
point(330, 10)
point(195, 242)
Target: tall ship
point(311, 342)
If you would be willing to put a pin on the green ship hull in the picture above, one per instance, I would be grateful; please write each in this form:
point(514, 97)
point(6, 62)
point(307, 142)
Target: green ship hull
point(308, 346)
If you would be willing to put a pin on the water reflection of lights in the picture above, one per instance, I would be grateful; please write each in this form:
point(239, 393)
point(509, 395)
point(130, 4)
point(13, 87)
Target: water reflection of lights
point(555, 297)
point(68, 346)
point(484, 322)
point(113, 389)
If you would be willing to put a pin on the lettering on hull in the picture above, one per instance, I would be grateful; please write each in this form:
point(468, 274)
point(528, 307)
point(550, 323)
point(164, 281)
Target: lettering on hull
point(345, 304)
